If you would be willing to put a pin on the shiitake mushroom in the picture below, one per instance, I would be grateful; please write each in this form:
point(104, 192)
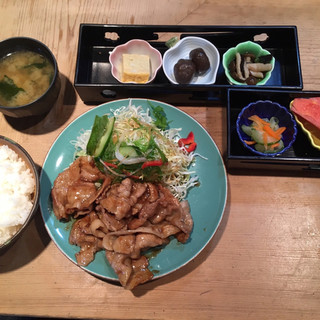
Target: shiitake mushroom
point(184, 71)
point(201, 60)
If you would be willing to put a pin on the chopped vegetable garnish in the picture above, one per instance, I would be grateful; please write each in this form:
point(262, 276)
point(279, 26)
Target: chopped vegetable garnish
point(139, 146)
point(108, 164)
point(152, 163)
point(266, 134)
point(188, 143)
point(171, 42)
point(38, 65)
point(161, 121)
point(100, 135)
point(249, 142)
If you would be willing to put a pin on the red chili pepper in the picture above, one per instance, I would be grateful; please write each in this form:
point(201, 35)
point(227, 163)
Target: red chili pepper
point(152, 163)
point(188, 142)
point(130, 175)
point(108, 164)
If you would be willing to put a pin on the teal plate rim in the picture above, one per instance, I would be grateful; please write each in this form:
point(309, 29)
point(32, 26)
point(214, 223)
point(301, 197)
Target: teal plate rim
point(207, 201)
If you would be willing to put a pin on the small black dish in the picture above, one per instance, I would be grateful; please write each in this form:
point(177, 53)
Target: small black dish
point(300, 159)
point(45, 102)
point(95, 84)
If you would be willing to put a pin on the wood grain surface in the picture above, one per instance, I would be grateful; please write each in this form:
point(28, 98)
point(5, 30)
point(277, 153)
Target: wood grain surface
point(264, 260)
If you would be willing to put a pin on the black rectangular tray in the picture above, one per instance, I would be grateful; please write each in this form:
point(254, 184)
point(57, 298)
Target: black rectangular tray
point(301, 158)
point(95, 83)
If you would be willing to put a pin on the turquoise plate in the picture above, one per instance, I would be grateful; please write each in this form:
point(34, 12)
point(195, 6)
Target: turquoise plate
point(207, 201)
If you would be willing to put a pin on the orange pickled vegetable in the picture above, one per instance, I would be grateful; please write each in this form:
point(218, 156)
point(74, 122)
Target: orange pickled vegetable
point(275, 145)
point(267, 132)
point(271, 133)
point(258, 120)
point(249, 142)
point(280, 130)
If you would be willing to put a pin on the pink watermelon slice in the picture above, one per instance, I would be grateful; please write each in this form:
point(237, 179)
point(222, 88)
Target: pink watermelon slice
point(308, 109)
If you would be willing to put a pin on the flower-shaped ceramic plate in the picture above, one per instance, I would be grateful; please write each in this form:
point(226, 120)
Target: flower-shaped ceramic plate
point(310, 130)
point(182, 49)
point(135, 46)
point(245, 47)
point(267, 109)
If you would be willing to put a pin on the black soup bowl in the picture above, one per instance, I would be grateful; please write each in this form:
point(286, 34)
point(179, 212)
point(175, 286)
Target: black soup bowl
point(44, 102)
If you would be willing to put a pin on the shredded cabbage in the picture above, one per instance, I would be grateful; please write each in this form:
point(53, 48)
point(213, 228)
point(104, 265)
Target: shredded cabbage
point(177, 175)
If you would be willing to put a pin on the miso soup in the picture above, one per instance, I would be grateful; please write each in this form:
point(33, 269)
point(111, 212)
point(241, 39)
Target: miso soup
point(24, 76)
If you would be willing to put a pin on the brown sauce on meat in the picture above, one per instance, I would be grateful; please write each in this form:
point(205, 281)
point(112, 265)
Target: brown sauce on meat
point(130, 220)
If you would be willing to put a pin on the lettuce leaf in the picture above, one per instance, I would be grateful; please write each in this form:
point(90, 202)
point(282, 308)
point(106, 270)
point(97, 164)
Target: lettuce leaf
point(160, 117)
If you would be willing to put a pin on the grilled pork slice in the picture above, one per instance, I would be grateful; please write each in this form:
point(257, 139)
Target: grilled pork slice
point(76, 188)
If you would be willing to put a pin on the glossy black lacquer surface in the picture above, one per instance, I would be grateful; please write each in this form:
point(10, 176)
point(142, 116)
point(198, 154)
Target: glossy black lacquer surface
point(95, 83)
point(302, 157)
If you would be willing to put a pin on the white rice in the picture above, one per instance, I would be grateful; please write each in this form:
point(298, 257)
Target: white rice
point(16, 188)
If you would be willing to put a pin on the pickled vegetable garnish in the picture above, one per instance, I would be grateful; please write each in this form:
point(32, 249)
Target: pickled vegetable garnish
point(265, 133)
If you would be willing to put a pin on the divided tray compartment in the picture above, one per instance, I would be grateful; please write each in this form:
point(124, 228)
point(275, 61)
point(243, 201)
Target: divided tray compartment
point(95, 83)
point(301, 159)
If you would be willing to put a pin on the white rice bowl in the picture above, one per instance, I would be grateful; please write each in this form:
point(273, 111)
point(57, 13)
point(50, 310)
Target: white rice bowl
point(17, 186)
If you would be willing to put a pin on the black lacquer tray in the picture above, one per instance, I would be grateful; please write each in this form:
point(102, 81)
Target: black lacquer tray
point(302, 158)
point(95, 83)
